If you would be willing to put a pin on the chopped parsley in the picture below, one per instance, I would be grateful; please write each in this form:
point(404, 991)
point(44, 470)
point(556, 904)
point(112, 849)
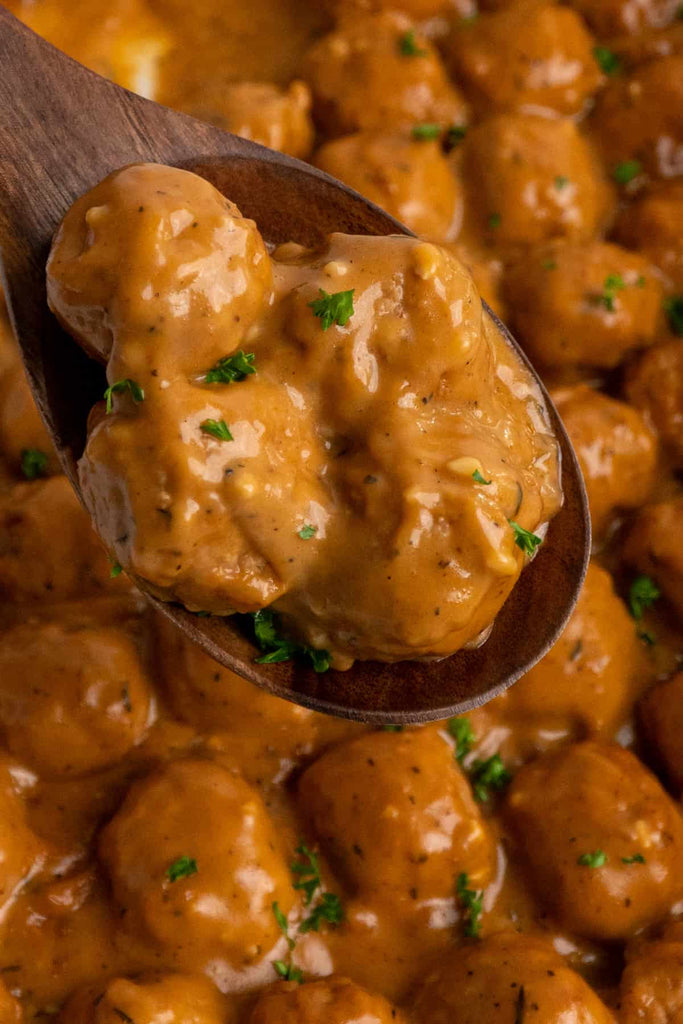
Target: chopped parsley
point(426, 131)
point(479, 479)
point(548, 264)
point(673, 308)
point(33, 463)
point(307, 879)
point(626, 171)
point(524, 539)
point(231, 369)
point(472, 904)
point(647, 638)
point(288, 972)
point(455, 134)
point(183, 867)
point(389, 727)
point(596, 859)
point(408, 47)
point(613, 283)
point(282, 923)
point(336, 308)
point(306, 873)
point(635, 858)
point(307, 531)
point(278, 648)
point(329, 909)
point(642, 594)
point(136, 392)
point(461, 731)
point(116, 570)
point(561, 182)
point(216, 428)
point(494, 220)
point(608, 61)
point(489, 776)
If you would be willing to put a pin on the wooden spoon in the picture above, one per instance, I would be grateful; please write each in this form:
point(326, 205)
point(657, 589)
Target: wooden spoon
point(63, 129)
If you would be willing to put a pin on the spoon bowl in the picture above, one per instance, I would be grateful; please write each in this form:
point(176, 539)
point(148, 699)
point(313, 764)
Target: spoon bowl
point(64, 128)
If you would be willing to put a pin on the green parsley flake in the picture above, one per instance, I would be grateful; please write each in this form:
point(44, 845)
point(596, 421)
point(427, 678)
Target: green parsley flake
point(635, 858)
point(548, 264)
point(278, 648)
point(389, 727)
point(231, 369)
point(33, 463)
point(407, 46)
point(642, 594)
point(333, 309)
point(479, 479)
point(472, 904)
point(455, 134)
point(596, 859)
point(524, 539)
point(136, 392)
point(282, 923)
point(426, 131)
point(494, 220)
point(673, 307)
point(216, 428)
point(613, 283)
point(116, 570)
point(487, 776)
point(647, 638)
point(288, 972)
point(626, 171)
point(561, 182)
point(329, 910)
point(307, 531)
point(183, 867)
point(608, 61)
point(461, 731)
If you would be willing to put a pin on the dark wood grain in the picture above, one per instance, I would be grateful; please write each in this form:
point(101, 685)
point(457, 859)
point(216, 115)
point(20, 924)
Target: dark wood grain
point(62, 129)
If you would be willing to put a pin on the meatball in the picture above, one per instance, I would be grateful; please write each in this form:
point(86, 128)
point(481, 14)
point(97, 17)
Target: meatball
point(171, 998)
point(493, 981)
point(654, 384)
point(661, 719)
point(651, 990)
point(584, 685)
point(638, 121)
point(533, 54)
point(602, 840)
point(616, 449)
point(267, 735)
point(614, 17)
point(395, 815)
point(329, 1001)
point(587, 304)
point(531, 179)
point(72, 700)
point(199, 258)
point(21, 429)
point(654, 546)
point(39, 562)
point(195, 859)
point(362, 78)
point(411, 179)
point(653, 223)
point(260, 111)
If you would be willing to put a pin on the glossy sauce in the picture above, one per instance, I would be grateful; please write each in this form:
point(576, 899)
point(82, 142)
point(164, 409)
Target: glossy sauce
point(125, 750)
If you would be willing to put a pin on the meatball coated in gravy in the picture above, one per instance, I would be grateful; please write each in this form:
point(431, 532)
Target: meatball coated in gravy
point(180, 847)
point(396, 437)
